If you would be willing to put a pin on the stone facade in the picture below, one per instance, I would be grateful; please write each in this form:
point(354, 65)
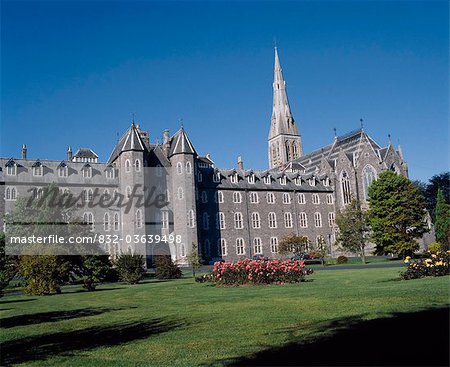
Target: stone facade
point(229, 213)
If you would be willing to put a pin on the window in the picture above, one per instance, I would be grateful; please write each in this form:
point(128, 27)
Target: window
point(273, 245)
point(270, 198)
point(312, 181)
point(204, 196)
point(316, 199)
point(138, 218)
point(317, 220)
point(216, 177)
point(191, 219)
point(326, 182)
point(116, 222)
point(11, 169)
point(254, 198)
point(63, 171)
point(237, 197)
point(288, 220)
point(219, 197)
point(87, 172)
point(88, 218)
point(127, 166)
point(238, 222)
point(301, 199)
point(331, 219)
point(128, 192)
point(223, 247)
point(256, 220)
point(320, 241)
point(188, 168)
point(207, 247)
point(257, 247)
point(221, 220)
point(240, 246)
point(11, 194)
point(286, 198)
point(330, 199)
point(137, 165)
point(199, 177)
point(267, 180)
point(182, 250)
point(346, 189)
point(283, 180)
point(303, 219)
point(234, 178)
point(180, 193)
point(205, 221)
point(369, 175)
point(88, 195)
point(251, 179)
point(298, 181)
point(179, 168)
point(165, 219)
point(272, 220)
point(106, 224)
point(37, 169)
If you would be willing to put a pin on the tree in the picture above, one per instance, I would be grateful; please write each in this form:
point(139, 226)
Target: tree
point(321, 249)
point(8, 266)
point(397, 214)
point(130, 268)
point(442, 219)
point(93, 269)
point(166, 268)
point(442, 182)
point(195, 259)
point(353, 229)
point(294, 244)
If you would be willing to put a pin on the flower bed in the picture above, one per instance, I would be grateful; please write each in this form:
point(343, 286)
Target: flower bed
point(258, 272)
point(437, 264)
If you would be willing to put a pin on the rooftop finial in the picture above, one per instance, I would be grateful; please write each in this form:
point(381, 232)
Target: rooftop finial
point(275, 42)
point(361, 121)
point(132, 118)
point(389, 138)
point(181, 123)
point(335, 132)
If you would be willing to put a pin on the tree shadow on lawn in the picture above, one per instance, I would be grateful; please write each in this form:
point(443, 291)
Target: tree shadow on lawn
point(405, 339)
point(41, 347)
point(17, 301)
point(52, 316)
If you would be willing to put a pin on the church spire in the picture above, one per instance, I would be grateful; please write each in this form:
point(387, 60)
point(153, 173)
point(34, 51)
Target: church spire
point(284, 138)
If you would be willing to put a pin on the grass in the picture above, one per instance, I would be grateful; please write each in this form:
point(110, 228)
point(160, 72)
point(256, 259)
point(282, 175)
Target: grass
point(182, 323)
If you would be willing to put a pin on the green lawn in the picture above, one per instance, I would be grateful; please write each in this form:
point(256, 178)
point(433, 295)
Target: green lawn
point(182, 323)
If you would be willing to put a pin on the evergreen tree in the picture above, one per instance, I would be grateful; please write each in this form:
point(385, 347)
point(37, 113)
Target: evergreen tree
point(442, 219)
point(353, 229)
point(195, 259)
point(397, 214)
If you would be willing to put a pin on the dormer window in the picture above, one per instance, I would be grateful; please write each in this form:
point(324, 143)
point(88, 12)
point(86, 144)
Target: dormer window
point(63, 170)
point(234, 178)
point(109, 173)
point(37, 169)
point(11, 169)
point(87, 171)
point(283, 180)
point(298, 181)
point(312, 181)
point(267, 180)
point(251, 179)
point(326, 182)
point(216, 177)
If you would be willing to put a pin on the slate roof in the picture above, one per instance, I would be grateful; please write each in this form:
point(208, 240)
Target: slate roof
point(130, 141)
point(85, 153)
point(180, 144)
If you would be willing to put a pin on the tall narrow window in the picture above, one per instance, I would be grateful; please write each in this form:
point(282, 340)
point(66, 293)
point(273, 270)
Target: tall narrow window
point(238, 222)
point(137, 165)
point(330, 199)
point(237, 197)
point(63, 171)
point(254, 199)
point(273, 245)
point(221, 220)
point(205, 221)
point(204, 196)
point(301, 198)
point(182, 250)
point(127, 166)
point(369, 175)
point(128, 191)
point(191, 218)
point(240, 246)
point(286, 198)
point(257, 247)
point(316, 199)
point(256, 220)
point(37, 169)
point(179, 168)
point(318, 220)
point(180, 193)
point(188, 168)
point(331, 219)
point(303, 220)
point(223, 247)
point(272, 220)
point(346, 189)
point(106, 224)
point(138, 219)
point(219, 197)
point(270, 198)
point(116, 222)
point(288, 220)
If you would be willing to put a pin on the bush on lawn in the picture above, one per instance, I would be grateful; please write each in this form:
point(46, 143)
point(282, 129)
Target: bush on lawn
point(435, 247)
point(166, 268)
point(130, 268)
point(342, 260)
point(259, 272)
point(93, 269)
point(435, 264)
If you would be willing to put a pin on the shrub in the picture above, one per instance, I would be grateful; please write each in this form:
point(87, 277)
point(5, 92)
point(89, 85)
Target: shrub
point(130, 268)
point(44, 274)
point(166, 268)
point(436, 264)
point(259, 272)
point(8, 267)
point(204, 278)
point(435, 247)
point(342, 260)
point(93, 270)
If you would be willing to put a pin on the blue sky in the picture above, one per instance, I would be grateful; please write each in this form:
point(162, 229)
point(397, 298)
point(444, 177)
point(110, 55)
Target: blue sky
point(71, 74)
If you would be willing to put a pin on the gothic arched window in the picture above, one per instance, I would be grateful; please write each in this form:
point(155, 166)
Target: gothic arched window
point(369, 175)
point(346, 188)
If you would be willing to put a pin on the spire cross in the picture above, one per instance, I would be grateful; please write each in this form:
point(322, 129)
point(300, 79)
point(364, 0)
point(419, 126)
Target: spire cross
point(181, 123)
point(335, 132)
point(361, 122)
point(132, 117)
point(389, 137)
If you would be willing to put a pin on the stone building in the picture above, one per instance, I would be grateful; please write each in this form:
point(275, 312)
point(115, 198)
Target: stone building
point(229, 213)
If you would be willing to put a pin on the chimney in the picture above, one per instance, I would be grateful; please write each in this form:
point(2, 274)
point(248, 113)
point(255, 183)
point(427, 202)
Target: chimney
point(400, 151)
point(24, 151)
point(166, 141)
point(69, 153)
point(240, 163)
